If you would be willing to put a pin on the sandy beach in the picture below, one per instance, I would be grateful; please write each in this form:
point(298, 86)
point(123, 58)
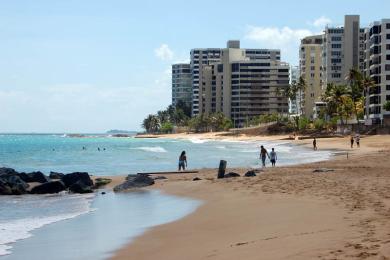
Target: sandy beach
point(283, 212)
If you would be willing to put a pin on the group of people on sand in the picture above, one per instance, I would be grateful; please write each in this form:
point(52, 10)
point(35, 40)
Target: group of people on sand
point(271, 156)
point(356, 139)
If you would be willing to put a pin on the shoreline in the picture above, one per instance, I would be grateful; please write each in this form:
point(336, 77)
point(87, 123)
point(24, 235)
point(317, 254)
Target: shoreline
point(284, 186)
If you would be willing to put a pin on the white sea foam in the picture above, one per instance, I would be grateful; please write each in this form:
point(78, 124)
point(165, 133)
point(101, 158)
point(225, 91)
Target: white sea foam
point(12, 230)
point(198, 141)
point(154, 149)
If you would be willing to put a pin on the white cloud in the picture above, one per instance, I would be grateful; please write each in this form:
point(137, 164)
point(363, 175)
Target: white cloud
point(322, 21)
point(80, 107)
point(286, 39)
point(164, 52)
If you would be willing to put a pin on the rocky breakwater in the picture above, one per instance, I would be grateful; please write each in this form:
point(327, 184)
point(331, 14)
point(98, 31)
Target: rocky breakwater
point(18, 183)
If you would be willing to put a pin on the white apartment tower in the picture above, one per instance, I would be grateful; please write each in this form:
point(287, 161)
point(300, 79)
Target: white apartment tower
point(377, 66)
point(342, 50)
point(244, 83)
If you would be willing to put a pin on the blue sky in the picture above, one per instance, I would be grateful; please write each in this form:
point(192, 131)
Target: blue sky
point(91, 66)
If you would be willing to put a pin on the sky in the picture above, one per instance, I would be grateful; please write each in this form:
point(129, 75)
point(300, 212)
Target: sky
point(88, 66)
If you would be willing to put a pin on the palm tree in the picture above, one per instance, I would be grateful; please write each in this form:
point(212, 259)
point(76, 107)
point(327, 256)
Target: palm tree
point(335, 97)
point(151, 124)
point(301, 87)
point(367, 83)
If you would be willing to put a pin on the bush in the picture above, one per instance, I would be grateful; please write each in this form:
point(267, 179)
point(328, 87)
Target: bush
point(319, 124)
point(166, 128)
point(303, 123)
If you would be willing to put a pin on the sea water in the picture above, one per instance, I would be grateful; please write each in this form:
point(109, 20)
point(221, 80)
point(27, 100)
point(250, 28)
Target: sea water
point(119, 156)
point(64, 226)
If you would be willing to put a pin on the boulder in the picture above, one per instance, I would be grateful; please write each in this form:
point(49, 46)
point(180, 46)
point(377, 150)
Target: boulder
point(5, 189)
point(231, 175)
point(7, 171)
point(74, 177)
point(80, 187)
point(250, 174)
point(11, 183)
point(56, 175)
point(36, 177)
point(134, 181)
point(48, 187)
point(196, 179)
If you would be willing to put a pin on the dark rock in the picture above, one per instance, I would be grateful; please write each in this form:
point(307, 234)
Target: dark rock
point(36, 177)
point(5, 189)
point(56, 175)
point(74, 177)
point(160, 178)
point(11, 183)
point(7, 171)
point(48, 187)
point(250, 174)
point(99, 182)
point(134, 181)
point(103, 193)
point(196, 179)
point(80, 187)
point(323, 170)
point(232, 175)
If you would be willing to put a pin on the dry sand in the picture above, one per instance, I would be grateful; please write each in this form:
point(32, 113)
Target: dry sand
point(283, 212)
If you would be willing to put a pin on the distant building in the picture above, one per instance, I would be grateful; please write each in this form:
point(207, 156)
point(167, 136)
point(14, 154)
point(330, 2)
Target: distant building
point(310, 62)
point(377, 66)
point(343, 50)
point(244, 83)
point(199, 58)
point(181, 84)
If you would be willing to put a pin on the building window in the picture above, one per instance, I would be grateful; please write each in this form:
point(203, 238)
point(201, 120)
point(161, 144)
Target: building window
point(336, 46)
point(387, 87)
point(388, 36)
point(388, 57)
point(336, 38)
point(387, 77)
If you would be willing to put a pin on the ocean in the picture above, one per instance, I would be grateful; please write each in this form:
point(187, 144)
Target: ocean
point(65, 226)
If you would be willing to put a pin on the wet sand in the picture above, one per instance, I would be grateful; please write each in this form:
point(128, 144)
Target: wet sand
point(283, 212)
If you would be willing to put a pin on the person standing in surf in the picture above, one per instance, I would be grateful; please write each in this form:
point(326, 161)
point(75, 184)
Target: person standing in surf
point(273, 157)
point(263, 155)
point(182, 161)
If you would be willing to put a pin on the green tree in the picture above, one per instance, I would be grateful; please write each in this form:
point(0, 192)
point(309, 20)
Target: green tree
point(335, 97)
point(151, 124)
point(386, 106)
point(166, 127)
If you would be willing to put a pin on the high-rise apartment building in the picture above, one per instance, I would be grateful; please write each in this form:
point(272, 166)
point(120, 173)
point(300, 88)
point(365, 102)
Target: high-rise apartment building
point(343, 49)
point(310, 63)
point(199, 58)
point(244, 83)
point(181, 84)
point(202, 57)
point(377, 66)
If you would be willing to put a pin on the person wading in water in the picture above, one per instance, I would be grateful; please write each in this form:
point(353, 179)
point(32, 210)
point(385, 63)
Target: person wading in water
point(263, 155)
point(182, 161)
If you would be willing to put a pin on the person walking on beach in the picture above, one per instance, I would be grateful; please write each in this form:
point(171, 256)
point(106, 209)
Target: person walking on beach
point(273, 157)
point(263, 155)
point(182, 161)
point(351, 141)
point(357, 139)
point(314, 144)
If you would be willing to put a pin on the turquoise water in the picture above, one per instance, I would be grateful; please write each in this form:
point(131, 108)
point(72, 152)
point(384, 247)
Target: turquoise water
point(130, 155)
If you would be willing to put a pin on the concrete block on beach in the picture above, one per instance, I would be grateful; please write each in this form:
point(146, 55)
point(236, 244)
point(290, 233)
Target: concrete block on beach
point(323, 170)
